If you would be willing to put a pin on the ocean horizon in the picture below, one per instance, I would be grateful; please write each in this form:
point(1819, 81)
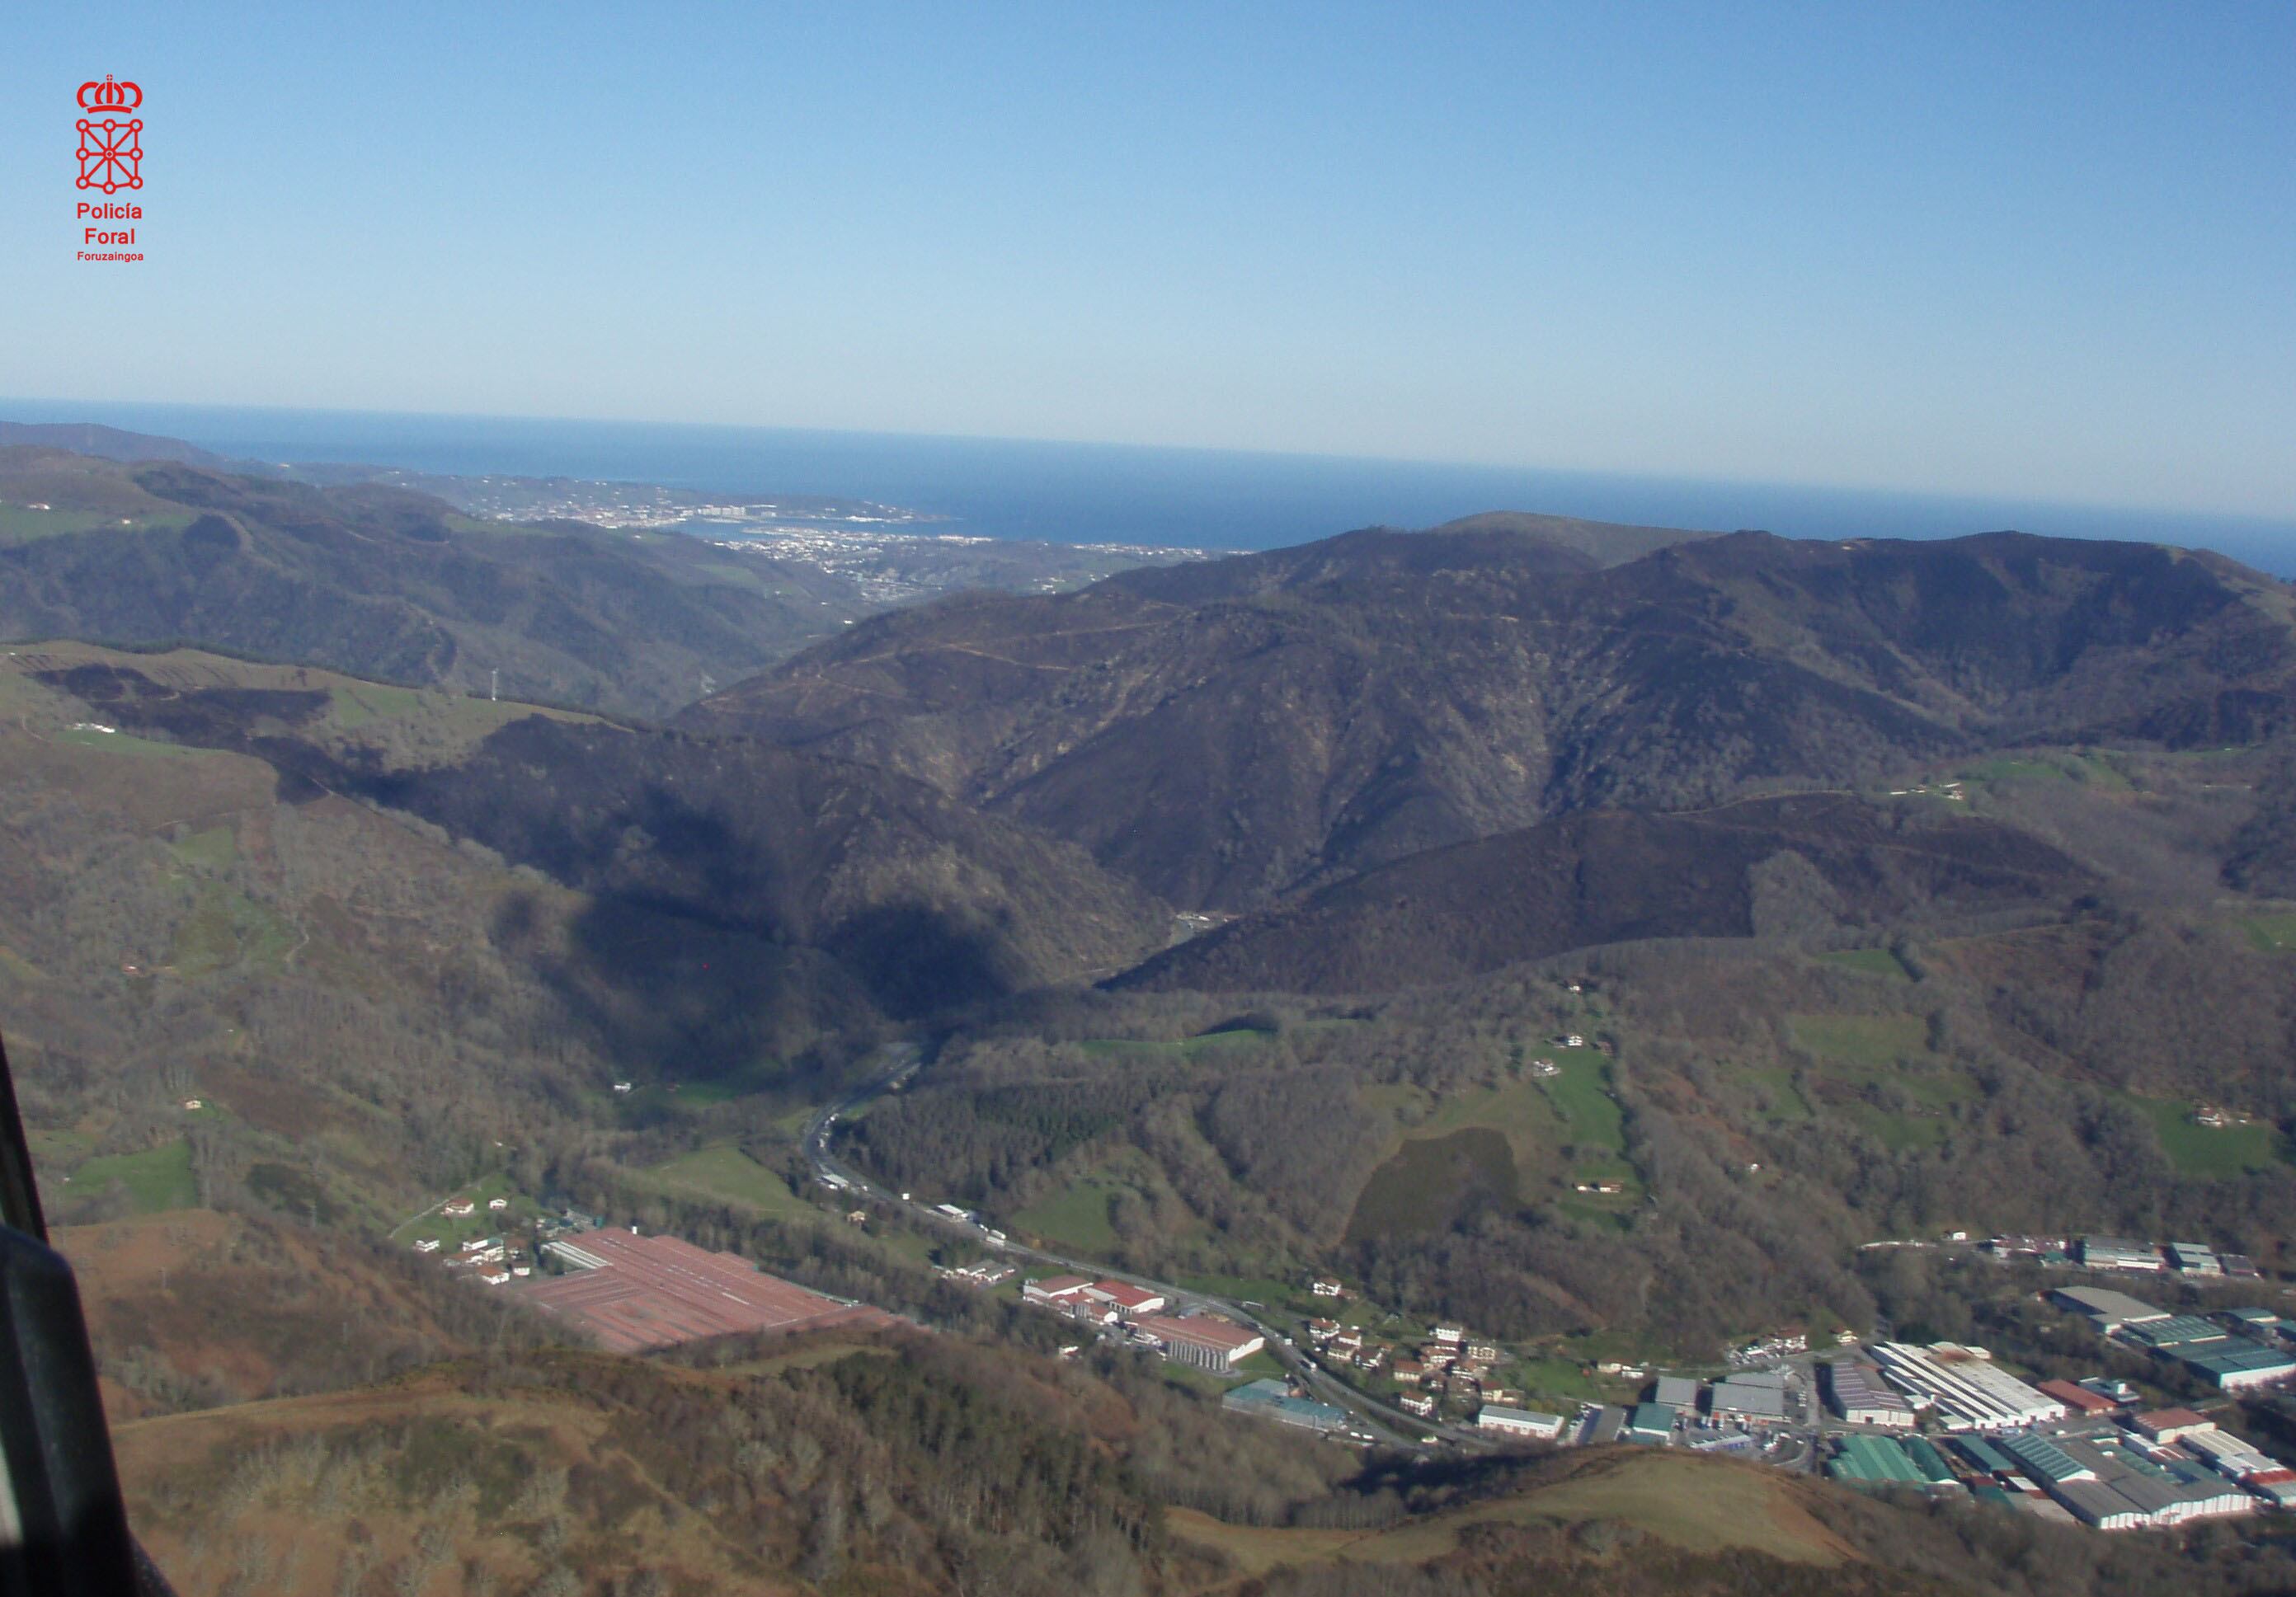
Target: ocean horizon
point(1076, 493)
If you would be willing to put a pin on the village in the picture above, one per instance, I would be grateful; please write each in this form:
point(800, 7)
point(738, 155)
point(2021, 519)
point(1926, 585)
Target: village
point(1940, 1418)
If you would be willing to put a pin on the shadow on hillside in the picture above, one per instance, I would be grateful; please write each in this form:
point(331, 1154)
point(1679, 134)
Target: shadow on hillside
point(671, 998)
point(682, 995)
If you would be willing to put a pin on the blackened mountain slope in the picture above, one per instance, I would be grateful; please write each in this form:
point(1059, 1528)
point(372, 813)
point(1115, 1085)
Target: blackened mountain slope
point(1228, 732)
point(925, 902)
point(921, 901)
point(1601, 876)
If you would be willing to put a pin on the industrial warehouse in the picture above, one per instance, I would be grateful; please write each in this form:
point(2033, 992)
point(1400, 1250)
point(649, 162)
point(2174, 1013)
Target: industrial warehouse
point(1274, 1400)
point(1964, 1387)
point(2239, 1350)
point(633, 1293)
point(1204, 1340)
point(2148, 1478)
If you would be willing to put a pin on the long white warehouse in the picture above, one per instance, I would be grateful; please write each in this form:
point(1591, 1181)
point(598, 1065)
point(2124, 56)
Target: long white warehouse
point(1968, 1393)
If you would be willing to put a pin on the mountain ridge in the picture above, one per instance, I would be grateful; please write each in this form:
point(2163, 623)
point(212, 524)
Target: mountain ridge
point(1794, 866)
point(1231, 732)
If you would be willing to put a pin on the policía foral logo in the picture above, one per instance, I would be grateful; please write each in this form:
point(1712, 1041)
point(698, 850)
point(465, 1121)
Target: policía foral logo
point(110, 161)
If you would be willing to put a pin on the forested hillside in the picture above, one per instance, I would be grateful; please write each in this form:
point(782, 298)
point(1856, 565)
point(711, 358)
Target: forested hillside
point(383, 582)
point(1766, 866)
point(218, 887)
point(1228, 732)
point(932, 1465)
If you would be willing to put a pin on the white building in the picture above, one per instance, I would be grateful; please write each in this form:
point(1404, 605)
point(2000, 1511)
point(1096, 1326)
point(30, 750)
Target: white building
point(2227, 1454)
point(2195, 1259)
point(1968, 1394)
point(1518, 1421)
point(1056, 1291)
point(2120, 1253)
point(2110, 1310)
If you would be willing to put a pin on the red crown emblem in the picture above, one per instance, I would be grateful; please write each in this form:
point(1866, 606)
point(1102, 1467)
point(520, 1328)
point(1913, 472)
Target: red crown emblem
point(109, 95)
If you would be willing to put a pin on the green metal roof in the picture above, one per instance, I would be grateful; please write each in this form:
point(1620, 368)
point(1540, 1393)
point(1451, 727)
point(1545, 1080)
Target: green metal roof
point(2173, 1331)
point(1656, 1418)
point(1928, 1459)
point(1985, 1456)
point(2044, 1458)
point(2234, 1358)
point(1875, 1460)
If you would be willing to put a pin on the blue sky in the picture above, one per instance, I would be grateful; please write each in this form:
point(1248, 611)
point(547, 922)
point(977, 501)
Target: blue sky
point(2037, 250)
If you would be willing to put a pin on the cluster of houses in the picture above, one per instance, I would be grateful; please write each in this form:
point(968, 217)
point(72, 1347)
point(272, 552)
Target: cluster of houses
point(1449, 1369)
point(1137, 1315)
point(494, 1259)
point(984, 1273)
point(1784, 1343)
point(456, 1209)
point(490, 1257)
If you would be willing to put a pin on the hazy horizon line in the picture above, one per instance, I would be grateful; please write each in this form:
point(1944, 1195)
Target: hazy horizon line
point(1965, 497)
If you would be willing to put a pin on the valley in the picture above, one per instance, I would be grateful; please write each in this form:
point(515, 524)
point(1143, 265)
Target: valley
point(1597, 939)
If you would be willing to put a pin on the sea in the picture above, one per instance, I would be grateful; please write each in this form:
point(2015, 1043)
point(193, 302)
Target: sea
point(1123, 493)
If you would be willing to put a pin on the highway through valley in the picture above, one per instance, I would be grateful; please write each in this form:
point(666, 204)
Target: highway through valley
point(1376, 1421)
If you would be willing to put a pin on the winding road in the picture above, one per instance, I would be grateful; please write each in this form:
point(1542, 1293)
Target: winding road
point(1380, 1421)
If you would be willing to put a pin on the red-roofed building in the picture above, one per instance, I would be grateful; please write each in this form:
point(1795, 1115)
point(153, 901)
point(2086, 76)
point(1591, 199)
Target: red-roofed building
point(1126, 1299)
point(1204, 1340)
point(1056, 1291)
point(2078, 1397)
point(632, 1293)
point(2166, 1424)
